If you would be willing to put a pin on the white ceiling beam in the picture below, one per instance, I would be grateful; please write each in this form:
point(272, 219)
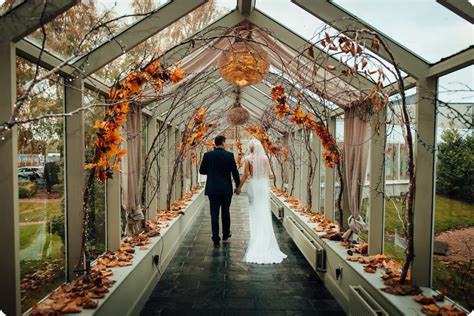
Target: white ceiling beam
point(452, 63)
point(392, 88)
point(215, 90)
point(215, 29)
point(32, 52)
point(297, 43)
point(330, 13)
point(29, 16)
point(246, 6)
point(460, 7)
point(138, 33)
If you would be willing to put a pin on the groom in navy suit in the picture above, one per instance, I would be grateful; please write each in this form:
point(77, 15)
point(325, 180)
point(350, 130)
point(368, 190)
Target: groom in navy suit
point(218, 165)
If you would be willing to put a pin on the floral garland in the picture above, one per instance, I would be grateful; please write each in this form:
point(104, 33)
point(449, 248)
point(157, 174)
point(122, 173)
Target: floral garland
point(259, 134)
point(240, 152)
point(108, 153)
point(330, 154)
point(194, 132)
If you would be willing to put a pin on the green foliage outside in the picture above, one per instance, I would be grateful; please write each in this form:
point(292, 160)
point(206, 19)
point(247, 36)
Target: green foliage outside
point(449, 214)
point(34, 211)
point(26, 189)
point(455, 176)
point(51, 175)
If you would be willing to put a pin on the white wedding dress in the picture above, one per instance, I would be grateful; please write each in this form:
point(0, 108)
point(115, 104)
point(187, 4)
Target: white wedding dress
point(263, 247)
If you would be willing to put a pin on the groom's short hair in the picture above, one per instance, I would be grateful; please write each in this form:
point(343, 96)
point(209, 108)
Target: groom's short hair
point(219, 140)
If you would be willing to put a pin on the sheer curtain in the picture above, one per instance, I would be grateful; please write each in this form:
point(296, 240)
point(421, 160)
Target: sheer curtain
point(356, 152)
point(131, 170)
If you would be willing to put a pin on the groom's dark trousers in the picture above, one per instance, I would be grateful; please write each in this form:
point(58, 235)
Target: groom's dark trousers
point(219, 165)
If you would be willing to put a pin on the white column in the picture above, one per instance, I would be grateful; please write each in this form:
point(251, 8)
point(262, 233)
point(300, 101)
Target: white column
point(298, 164)
point(114, 234)
point(171, 157)
point(304, 170)
point(9, 223)
point(164, 167)
point(425, 177)
point(376, 212)
point(329, 181)
point(74, 174)
point(315, 189)
point(178, 185)
point(152, 179)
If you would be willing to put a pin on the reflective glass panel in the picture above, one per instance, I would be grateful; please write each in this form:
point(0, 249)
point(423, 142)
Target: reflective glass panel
point(96, 226)
point(426, 27)
point(167, 38)
point(454, 200)
point(40, 187)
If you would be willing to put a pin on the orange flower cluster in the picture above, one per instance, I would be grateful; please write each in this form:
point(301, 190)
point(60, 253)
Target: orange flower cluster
point(240, 152)
point(195, 132)
point(298, 116)
point(285, 153)
point(108, 153)
point(267, 144)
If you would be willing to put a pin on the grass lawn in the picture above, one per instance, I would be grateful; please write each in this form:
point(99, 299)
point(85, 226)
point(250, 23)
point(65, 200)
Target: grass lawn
point(449, 214)
point(34, 211)
point(38, 244)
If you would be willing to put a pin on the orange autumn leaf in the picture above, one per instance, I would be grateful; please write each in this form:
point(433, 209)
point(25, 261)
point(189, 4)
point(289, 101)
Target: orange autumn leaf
point(177, 75)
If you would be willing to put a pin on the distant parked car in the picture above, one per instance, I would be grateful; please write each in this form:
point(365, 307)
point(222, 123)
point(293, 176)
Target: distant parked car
point(31, 172)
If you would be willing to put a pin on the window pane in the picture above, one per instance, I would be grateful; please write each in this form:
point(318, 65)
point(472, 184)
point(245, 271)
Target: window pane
point(395, 190)
point(454, 201)
point(41, 188)
point(100, 21)
point(96, 227)
point(6, 6)
point(423, 26)
point(168, 37)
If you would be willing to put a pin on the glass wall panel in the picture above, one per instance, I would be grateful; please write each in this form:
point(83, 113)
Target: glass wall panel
point(454, 201)
point(337, 181)
point(395, 190)
point(40, 187)
point(322, 182)
point(144, 136)
point(96, 224)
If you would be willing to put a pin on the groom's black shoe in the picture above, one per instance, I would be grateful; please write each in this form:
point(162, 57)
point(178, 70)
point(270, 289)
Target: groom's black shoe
point(217, 244)
point(227, 238)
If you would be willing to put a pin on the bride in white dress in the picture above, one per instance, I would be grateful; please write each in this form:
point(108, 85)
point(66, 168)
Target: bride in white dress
point(263, 247)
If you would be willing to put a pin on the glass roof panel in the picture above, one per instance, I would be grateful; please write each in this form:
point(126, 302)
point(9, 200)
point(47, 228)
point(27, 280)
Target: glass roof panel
point(423, 26)
point(7, 5)
point(457, 87)
point(100, 20)
point(309, 27)
point(178, 31)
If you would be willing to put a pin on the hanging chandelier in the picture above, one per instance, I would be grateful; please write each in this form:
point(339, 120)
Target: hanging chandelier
point(243, 64)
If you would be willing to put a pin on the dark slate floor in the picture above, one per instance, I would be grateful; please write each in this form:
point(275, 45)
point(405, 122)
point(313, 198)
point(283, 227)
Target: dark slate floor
point(201, 280)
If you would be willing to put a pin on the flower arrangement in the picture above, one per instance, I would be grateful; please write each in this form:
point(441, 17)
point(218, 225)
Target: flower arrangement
point(330, 154)
point(194, 132)
point(262, 136)
point(108, 154)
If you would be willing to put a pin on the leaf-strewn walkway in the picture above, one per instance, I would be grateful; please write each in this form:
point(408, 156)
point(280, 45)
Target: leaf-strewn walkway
point(202, 280)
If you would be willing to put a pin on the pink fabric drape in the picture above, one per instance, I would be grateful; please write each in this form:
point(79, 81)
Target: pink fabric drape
point(356, 150)
point(131, 170)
